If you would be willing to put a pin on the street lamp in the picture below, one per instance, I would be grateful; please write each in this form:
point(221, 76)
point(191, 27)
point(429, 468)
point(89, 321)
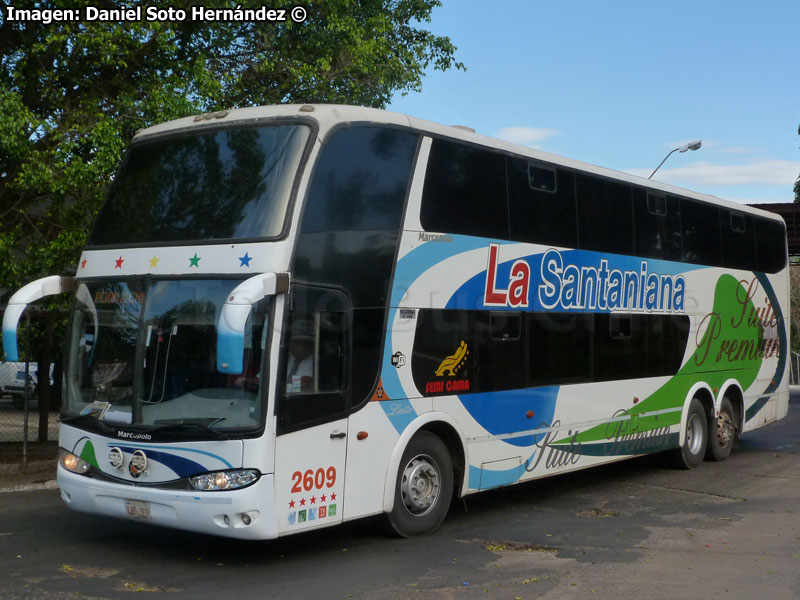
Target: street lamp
point(690, 146)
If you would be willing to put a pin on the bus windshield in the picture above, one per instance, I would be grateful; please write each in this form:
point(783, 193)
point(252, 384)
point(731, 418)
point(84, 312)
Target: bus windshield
point(143, 353)
point(219, 184)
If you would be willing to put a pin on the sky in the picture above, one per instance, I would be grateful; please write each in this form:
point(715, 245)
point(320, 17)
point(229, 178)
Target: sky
point(620, 83)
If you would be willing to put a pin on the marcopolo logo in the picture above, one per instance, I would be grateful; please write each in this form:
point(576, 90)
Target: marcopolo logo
point(128, 435)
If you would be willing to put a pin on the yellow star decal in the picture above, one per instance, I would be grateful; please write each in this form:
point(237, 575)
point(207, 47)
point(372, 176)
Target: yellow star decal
point(154, 262)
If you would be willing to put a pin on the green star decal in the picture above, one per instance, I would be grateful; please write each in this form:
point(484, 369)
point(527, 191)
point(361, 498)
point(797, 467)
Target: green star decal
point(194, 261)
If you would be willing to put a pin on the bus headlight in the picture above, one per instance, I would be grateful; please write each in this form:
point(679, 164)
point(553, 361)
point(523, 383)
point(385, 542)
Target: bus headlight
point(224, 480)
point(72, 462)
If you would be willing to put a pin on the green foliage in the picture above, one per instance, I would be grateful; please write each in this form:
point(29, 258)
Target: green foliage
point(797, 182)
point(794, 307)
point(73, 94)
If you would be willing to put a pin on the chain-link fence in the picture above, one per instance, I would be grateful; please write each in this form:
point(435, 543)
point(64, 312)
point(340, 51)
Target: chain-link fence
point(29, 396)
point(22, 412)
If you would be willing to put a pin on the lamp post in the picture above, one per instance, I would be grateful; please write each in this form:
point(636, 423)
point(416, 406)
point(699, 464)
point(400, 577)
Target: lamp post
point(690, 146)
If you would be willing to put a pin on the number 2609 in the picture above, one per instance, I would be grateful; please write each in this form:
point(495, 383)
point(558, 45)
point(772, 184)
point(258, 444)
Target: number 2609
point(313, 479)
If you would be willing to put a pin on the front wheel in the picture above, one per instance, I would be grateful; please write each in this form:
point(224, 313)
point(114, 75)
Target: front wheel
point(722, 434)
point(424, 486)
point(693, 446)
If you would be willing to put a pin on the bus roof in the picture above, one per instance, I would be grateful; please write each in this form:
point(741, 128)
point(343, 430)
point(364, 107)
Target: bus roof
point(330, 115)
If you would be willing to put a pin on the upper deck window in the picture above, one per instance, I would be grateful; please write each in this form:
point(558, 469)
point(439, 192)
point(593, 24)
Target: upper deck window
point(221, 184)
point(605, 215)
point(465, 191)
point(360, 180)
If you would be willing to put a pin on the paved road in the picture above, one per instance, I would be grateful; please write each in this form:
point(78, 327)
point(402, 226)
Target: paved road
point(629, 530)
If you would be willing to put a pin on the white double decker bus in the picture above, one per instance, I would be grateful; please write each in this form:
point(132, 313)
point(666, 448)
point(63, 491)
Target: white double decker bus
point(288, 317)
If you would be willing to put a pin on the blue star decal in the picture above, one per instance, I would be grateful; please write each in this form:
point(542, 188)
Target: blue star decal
point(245, 260)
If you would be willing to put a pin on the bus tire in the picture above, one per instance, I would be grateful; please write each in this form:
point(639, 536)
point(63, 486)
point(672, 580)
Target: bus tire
point(722, 432)
point(423, 488)
point(693, 445)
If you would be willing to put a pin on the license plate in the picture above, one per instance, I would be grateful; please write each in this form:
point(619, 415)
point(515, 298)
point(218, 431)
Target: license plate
point(137, 510)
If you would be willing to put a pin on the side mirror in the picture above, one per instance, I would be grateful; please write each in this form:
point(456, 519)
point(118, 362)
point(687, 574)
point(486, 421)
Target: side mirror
point(35, 290)
point(233, 318)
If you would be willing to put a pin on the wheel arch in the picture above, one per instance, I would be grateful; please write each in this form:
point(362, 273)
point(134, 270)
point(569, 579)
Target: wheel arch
point(703, 392)
point(732, 390)
point(446, 429)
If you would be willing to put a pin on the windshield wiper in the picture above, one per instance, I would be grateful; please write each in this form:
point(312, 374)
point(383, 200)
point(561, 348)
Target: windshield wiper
point(205, 425)
point(89, 419)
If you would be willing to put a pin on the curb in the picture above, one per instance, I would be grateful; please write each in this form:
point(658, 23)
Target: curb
point(35, 475)
point(30, 487)
point(33, 467)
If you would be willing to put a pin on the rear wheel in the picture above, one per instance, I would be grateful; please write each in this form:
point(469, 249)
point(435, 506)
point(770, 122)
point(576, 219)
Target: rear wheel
point(424, 486)
point(693, 446)
point(722, 433)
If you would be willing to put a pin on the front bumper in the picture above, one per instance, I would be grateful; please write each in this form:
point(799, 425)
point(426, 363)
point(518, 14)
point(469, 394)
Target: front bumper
point(247, 513)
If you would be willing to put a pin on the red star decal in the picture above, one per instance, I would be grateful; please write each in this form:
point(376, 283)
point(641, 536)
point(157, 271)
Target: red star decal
point(83, 263)
point(323, 498)
point(291, 504)
point(119, 262)
point(333, 497)
point(302, 501)
point(313, 499)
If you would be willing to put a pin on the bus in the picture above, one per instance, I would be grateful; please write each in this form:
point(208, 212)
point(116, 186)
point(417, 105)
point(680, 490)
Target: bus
point(292, 316)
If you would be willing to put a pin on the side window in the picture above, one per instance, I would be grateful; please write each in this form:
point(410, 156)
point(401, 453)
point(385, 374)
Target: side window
point(771, 245)
point(499, 351)
point(700, 226)
point(462, 351)
point(349, 232)
point(314, 372)
point(315, 351)
point(738, 240)
point(360, 180)
point(619, 347)
point(666, 343)
point(559, 348)
point(505, 326)
point(605, 216)
point(443, 358)
point(541, 203)
point(657, 221)
point(465, 191)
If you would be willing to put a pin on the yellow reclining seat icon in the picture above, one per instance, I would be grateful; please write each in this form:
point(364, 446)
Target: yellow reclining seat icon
point(453, 362)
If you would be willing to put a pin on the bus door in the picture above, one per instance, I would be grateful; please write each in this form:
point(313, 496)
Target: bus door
point(311, 411)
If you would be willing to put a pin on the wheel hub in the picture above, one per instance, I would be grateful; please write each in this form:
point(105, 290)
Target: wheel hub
point(724, 429)
point(694, 434)
point(420, 485)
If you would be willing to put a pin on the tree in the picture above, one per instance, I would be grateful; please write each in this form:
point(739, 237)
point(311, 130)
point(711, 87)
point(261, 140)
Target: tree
point(794, 307)
point(73, 93)
point(797, 181)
